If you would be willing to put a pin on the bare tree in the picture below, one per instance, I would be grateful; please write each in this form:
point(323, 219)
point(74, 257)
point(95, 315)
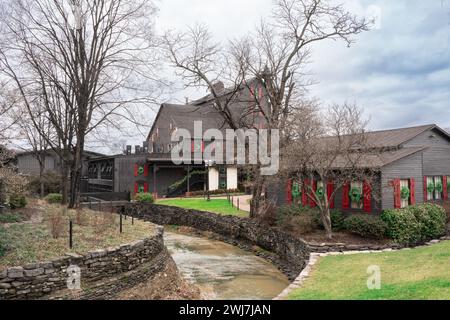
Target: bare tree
point(330, 148)
point(93, 62)
point(275, 55)
point(36, 132)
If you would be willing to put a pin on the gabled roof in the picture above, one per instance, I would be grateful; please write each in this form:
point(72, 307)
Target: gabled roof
point(183, 116)
point(391, 139)
point(398, 137)
point(374, 160)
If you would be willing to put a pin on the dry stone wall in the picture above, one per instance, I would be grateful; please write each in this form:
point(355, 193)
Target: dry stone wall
point(103, 272)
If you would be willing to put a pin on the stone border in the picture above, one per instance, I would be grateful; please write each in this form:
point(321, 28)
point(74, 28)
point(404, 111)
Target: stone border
point(314, 258)
point(38, 280)
point(291, 253)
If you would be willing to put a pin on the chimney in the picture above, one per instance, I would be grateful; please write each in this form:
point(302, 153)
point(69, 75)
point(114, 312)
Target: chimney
point(145, 147)
point(128, 150)
point(218, 87)
point(137, 150)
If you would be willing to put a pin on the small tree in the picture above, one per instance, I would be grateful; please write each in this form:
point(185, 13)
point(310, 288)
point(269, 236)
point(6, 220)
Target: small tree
point(330, 147)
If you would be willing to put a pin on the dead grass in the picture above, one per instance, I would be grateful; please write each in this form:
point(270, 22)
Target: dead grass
point(33, 242)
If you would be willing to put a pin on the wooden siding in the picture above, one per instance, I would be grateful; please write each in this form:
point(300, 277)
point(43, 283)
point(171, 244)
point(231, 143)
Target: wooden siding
point(29, 165)
point(407, 168)
point(277, 194)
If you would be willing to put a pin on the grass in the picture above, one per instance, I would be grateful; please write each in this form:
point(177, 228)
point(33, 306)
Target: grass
point(219, 206)
point(418, 274)
point(11, 217)
point(22, 243)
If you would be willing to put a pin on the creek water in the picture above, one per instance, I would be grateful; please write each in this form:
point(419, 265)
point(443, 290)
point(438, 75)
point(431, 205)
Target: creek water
point(223, 271)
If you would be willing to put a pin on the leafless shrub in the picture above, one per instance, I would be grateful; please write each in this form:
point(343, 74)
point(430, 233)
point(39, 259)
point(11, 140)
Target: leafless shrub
point(57, 223)
point(81, 218)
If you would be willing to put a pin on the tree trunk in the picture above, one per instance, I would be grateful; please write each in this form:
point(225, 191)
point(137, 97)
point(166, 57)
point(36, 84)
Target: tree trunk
point(257, 196)
point(326, 220)
point(41, 178)
point(77, 171)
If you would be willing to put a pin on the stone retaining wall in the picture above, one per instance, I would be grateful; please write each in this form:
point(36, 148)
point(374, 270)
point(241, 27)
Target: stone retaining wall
point(103, 272)
point(235, 230)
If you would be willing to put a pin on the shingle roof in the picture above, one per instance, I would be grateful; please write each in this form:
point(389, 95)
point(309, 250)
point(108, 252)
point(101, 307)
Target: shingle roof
point(387, 139)
point(183, 116)
point(373, 160)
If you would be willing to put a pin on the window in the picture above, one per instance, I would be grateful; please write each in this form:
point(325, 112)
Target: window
point(404, 184)
point(356, 203)
point(434, 188)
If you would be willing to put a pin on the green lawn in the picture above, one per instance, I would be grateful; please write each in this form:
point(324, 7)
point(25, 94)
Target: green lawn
point(418, 274)
point(220, 206)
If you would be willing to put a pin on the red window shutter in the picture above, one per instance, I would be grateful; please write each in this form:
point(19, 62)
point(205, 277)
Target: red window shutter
point(146, 170)
point(367, 194)
point(146, 187)
point(305, 193)
point(312, 198)
point(330, 190)
point(203, 146)
point(445, 189)
point(192, 146)
point(346, 196)
point(289, 192)
point(425, 189)
point(136, 188)
point(397, 194)
point(136, 170)
point(412, 187)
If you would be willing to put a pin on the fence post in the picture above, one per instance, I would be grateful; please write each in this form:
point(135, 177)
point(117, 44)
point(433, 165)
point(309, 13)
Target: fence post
point(71, 234)
point(238, 204)
point(90, 204)
point(100, 205)
point(232, 202)
point(132, 220)
point(120, 222)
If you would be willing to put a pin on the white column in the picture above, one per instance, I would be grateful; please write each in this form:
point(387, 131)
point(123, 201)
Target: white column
point(232, 178)
point(213, 177)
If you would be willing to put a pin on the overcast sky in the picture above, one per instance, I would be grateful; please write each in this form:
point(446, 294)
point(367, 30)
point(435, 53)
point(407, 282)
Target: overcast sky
point(399, 72)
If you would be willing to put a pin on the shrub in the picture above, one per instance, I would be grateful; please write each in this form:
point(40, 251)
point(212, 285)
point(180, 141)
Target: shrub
point(446, 206)
point(402, 226)
point(432, 219)
point(17, 201)
point(54, 198)
point(144, 198)
point(337, 220)
point(57, 224)
point(51, 180)
point(301, 220)
point(416, 223)
point(3, 242)
point(366, 226)
point(10, 218)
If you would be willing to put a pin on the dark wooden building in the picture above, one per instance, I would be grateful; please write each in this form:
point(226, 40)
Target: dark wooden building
point(416, 159)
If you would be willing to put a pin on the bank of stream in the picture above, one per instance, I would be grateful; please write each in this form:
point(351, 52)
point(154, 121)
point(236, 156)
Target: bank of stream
point(223, 271)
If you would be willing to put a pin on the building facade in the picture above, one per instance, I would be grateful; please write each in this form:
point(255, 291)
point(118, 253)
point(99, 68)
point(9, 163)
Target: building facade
point(413, 166)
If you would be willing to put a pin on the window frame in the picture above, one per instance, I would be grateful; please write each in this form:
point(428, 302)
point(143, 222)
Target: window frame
point(354, 205)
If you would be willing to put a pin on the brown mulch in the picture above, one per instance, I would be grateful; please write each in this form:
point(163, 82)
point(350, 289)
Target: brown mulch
point(318, 237)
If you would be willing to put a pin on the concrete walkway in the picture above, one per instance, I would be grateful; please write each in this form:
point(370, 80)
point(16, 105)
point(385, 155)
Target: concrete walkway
point(244, 202)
